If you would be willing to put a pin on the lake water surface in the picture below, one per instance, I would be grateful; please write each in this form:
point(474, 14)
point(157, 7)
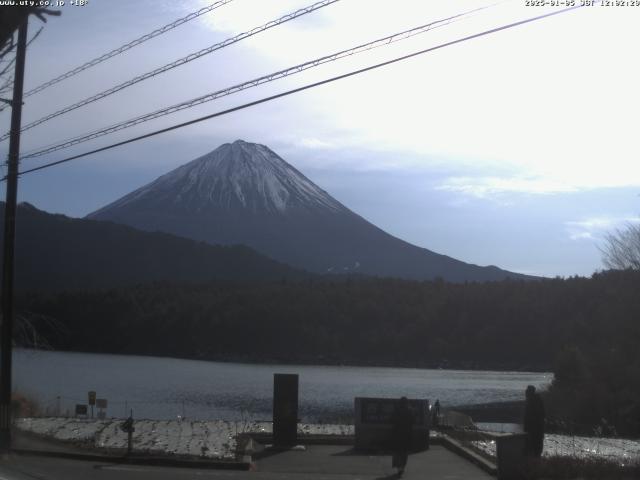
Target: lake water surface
point(163, 388)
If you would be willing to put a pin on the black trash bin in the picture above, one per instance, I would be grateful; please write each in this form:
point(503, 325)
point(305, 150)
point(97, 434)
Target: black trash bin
point(512, 460)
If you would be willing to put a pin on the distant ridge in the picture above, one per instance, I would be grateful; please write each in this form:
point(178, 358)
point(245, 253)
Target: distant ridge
point(244, 193)
point(55, 252)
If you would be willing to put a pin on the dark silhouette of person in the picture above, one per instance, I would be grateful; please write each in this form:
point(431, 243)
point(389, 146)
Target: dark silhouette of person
point(534, 422)
point(401, 435)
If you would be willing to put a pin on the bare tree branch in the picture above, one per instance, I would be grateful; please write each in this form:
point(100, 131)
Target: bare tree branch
point(41, 12)
point(27, 334)
point(8, 66)
point(35, 35)
point(7, 85)
point(621, 250)
point(6, 49)
point(12, 17)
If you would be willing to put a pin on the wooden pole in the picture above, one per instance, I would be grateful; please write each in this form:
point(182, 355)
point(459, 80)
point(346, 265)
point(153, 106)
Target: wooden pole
point(6, 331)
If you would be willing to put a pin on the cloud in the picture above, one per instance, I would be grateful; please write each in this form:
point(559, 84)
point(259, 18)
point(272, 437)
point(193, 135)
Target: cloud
point(483, 105)
point(484, 187)
point(513, 96)
point(315, 143)
point(581, 236)
point(595, 228)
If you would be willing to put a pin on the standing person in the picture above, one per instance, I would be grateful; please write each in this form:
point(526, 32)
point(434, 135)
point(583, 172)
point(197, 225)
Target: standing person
point(436, 413)
point(401, 435)
point(534, 422)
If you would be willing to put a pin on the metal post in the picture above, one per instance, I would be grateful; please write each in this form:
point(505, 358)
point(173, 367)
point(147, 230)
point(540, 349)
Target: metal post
point(6, 331)
point(129, 442)
point(130, 431)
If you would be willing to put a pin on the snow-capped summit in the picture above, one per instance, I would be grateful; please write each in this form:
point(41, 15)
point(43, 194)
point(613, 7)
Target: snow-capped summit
point(238, 175)
point(244, 193)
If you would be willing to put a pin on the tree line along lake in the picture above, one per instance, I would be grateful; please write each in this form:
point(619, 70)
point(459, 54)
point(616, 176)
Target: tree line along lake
point(165, 388)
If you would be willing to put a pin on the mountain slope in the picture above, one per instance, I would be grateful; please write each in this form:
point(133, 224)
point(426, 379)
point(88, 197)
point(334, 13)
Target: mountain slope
point(58, 252)
point(244, 193)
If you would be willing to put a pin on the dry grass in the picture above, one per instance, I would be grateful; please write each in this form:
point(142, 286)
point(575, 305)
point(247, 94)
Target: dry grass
point(23, 406)
point(585, 468)
point(560, 467)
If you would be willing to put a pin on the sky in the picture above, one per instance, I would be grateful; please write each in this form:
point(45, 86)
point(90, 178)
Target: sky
point(517, 149)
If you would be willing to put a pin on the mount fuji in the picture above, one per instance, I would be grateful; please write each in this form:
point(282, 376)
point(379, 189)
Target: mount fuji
point(244, 193)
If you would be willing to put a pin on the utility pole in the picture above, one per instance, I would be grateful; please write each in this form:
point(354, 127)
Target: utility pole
point(6, 331)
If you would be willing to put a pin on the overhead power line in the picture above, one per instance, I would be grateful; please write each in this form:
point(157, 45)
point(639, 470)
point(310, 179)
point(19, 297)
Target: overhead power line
point(380, 42)
point(179, 62)
point(127, 46)
point(300, 89)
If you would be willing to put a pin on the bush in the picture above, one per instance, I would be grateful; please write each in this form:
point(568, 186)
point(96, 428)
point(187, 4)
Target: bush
point(23, 406)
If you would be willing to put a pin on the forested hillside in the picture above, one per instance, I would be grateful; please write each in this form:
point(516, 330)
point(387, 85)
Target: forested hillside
point(508, 324)
point(56, 252)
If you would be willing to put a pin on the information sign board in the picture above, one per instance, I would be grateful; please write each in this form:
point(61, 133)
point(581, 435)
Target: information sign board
point(374, 419)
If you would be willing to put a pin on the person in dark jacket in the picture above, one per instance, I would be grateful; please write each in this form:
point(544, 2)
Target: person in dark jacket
point(534, 422)
point(401, 435)
point(436, 413)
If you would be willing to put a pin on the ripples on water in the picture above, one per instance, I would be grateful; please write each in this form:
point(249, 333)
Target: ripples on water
point(163, 388)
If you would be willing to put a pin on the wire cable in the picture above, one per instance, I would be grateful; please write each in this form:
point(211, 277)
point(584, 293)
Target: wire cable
point(381, 42)
point(177, 63)
point(124, 48)
point(300, 89)
point(128, 46)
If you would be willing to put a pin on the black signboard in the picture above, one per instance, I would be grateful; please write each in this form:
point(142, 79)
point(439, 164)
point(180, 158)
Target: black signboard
point(285, 408)
point(81, 409)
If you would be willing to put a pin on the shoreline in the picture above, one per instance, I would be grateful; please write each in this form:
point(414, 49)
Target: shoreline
point(494, 412)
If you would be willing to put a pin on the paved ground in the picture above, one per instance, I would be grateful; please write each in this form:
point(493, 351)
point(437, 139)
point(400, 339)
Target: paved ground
point(313, 463)
point(25, 441)
point(325, 460)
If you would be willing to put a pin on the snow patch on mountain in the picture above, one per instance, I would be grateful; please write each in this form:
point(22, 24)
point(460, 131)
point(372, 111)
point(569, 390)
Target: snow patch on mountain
point(237, 175)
